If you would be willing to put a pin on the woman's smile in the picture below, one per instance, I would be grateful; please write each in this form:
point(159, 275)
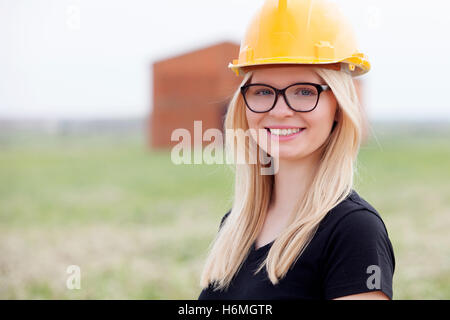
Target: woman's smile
point(283, 133)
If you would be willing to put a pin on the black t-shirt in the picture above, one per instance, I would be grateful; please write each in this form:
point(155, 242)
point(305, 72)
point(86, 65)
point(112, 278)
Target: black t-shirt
point(350, 253)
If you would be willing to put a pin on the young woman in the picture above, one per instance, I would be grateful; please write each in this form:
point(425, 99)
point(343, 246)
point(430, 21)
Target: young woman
point(303, 232)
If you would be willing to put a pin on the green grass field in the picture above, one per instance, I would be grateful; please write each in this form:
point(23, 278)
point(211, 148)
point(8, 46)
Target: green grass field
point(139, 226)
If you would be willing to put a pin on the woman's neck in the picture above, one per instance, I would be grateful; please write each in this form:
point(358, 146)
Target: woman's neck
point(292, 182)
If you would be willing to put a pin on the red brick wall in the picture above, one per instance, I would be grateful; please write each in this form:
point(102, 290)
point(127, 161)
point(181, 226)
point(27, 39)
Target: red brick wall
point(194, 86)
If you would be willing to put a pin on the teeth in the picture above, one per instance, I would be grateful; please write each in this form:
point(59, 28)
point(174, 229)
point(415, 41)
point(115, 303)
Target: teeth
point(284, 132)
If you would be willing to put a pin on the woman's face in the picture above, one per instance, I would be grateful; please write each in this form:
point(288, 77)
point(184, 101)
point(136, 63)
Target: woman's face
point(317, 123)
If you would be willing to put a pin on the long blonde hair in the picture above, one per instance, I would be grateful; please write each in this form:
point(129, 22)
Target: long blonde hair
point(332, 183)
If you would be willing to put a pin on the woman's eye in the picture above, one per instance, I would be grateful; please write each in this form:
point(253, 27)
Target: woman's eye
point(305, 92)
point(263, 92)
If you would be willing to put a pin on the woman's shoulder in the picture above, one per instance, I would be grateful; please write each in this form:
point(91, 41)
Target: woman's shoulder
point(353, 210)
point(355, 240)
point(356, 226)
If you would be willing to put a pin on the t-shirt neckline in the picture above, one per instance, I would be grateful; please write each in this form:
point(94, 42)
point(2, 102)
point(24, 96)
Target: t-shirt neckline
point(256, 254)
point(264, 246)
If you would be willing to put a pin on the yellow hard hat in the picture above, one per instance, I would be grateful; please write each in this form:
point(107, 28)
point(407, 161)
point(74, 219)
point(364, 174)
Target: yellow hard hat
point(300, 32)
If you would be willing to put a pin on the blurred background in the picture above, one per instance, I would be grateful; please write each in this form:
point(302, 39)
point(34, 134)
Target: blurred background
point(90, 92)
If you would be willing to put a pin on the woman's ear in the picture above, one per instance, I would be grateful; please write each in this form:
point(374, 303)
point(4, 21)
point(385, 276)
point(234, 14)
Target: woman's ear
point(336, 115)
point(334, 125)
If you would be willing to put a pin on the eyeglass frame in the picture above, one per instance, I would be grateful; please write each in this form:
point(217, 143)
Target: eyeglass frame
point(319, 87)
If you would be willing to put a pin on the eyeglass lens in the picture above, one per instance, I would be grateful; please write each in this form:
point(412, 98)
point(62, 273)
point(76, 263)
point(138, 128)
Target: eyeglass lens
point(302, 97)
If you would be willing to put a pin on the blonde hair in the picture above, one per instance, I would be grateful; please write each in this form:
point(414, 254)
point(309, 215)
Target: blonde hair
point(332, 183)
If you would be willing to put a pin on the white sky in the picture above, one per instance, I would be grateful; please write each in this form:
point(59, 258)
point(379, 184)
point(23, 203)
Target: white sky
point(84, 58)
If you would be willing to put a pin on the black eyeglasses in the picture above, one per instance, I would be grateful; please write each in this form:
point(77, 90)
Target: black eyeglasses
point(300, 97)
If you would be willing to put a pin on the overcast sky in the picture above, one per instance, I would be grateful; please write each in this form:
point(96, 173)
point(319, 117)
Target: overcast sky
point(92, 58)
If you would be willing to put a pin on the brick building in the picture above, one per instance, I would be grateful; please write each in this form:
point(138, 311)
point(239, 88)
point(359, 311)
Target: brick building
point(193, 86)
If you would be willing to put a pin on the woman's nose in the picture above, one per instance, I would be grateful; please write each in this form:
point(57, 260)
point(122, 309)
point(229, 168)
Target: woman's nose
point(281, 109)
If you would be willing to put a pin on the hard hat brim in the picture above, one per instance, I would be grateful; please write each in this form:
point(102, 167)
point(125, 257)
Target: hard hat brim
point(356, 65)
